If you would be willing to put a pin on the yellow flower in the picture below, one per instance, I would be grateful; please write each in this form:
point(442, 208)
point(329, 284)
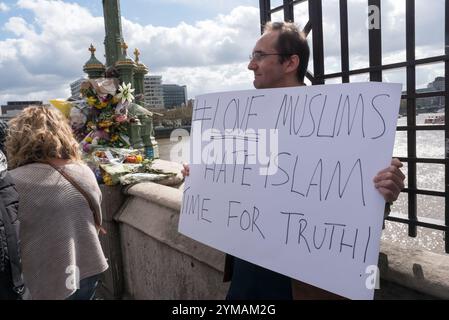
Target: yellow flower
point(107, 179)
point(88, 139)
point(105, 124)
point(91, 101)
point(114, 137)
point(101, 105)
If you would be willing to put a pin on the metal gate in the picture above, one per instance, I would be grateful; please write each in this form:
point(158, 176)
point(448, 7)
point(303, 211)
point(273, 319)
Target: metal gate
point(375, 70)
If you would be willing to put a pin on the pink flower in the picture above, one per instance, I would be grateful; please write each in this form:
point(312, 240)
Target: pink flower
point(100, 134)
point(121, 118)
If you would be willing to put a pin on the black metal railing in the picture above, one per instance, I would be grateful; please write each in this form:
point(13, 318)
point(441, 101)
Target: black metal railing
point(375, 69)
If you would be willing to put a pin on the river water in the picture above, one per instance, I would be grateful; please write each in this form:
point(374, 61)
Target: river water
point(430, 144)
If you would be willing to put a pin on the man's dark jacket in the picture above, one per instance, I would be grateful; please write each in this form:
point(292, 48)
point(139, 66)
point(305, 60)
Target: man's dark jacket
point(11, 280)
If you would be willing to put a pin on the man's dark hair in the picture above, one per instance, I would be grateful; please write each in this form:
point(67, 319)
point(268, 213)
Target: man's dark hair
point(291, 41)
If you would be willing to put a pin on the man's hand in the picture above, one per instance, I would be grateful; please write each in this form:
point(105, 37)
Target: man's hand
point(390, 181)
point(186, 171)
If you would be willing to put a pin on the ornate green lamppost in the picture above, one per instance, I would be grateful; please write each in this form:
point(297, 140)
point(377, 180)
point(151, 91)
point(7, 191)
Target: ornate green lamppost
point(119, 65)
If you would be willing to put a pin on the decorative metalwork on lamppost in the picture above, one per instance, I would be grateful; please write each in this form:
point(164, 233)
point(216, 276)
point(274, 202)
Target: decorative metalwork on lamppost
point(141, 131)
point(113, 30)
point(94, 68)
point(125, 66)
point(139, 73)
point(145, 117)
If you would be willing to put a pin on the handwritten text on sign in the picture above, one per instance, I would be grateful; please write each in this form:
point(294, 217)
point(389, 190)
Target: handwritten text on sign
point(283, 178)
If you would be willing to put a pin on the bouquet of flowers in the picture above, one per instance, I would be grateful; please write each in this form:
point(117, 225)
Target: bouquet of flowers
point(101, 118)
point(101, 123)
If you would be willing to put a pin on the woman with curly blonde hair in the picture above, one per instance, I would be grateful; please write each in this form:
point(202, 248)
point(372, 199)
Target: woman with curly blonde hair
point(59, 208)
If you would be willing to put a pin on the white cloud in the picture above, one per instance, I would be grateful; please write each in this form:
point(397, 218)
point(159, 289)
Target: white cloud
point(44, 54)
point(208, 79)
point(18, 26)
point(3, 7)
point(225, 39)
point(220, 5)
point(47, 52)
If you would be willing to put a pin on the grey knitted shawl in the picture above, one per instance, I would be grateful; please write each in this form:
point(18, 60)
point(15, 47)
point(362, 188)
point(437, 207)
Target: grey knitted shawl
point(59, 241)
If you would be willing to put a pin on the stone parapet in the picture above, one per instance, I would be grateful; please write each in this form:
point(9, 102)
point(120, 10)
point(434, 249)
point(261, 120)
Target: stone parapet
point(159, 262)
point(420, 274)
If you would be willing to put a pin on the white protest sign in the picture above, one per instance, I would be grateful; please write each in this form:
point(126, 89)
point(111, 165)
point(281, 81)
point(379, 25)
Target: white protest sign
point(300, 200)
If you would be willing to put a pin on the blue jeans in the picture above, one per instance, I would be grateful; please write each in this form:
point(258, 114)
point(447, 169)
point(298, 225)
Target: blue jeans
point(86, 290)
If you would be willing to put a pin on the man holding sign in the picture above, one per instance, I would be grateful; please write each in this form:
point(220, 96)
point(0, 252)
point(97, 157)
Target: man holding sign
point(279, 60)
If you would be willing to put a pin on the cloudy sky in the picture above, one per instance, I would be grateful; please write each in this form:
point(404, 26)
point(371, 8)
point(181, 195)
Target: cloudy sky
point(202, 44)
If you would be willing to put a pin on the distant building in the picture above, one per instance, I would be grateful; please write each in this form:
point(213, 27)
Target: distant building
point(12, 108)
point(75, 88)
point(431, 104)
point(174, 95)
point(438, 84)
point(153, 94)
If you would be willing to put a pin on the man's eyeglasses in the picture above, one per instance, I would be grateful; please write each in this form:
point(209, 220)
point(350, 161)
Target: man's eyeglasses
point(257, 56)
